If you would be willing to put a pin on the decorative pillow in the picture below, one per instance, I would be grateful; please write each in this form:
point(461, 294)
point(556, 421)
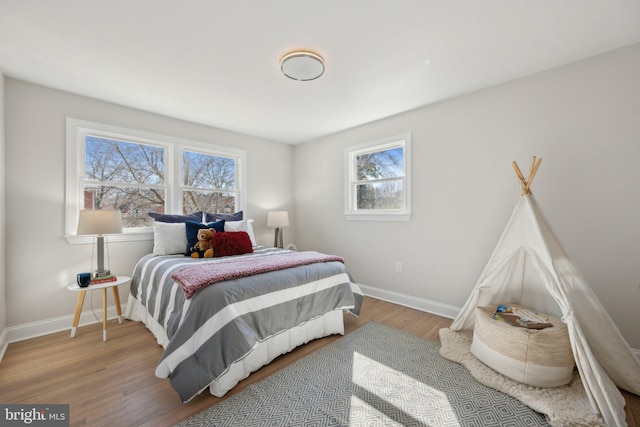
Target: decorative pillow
point(244, 225)
point(208, 216)
point(196, 217)
point(250, 232)
point(192, 232)
point(231, 243)
point(169, 238)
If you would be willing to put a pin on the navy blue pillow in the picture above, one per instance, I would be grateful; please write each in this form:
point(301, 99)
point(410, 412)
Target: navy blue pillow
point(238, 216)
point(195, 217)
point(192, 232)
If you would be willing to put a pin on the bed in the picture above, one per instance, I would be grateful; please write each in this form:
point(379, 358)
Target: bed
point(215, 335)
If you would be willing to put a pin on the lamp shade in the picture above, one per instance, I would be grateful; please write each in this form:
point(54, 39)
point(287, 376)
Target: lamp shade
point(278, 219)
point(99, 222)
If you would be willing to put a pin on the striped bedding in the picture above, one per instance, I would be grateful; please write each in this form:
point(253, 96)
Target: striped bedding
point(223, 322)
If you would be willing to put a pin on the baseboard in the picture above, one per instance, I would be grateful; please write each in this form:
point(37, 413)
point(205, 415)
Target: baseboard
point(56, 324)
point(433, 307)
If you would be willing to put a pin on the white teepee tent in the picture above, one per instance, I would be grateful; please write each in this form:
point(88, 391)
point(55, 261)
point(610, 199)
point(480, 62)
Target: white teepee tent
point(528, 266)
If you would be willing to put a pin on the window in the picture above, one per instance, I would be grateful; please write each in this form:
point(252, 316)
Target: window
point(123, 175)
point(378, 180)
point(208, 183)
point(138, 173)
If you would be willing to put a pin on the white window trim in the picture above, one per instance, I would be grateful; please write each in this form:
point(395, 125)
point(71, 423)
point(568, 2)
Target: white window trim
point(74, 173)
point(350, 153)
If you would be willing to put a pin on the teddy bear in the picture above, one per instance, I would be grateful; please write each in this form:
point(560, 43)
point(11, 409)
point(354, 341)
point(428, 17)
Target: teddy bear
point(203, 246)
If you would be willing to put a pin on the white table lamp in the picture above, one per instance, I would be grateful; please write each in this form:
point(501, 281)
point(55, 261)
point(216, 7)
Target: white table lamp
point(99, 223)
point(278, 219)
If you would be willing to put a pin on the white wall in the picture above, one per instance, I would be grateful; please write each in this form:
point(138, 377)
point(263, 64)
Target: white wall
point(39, 261)
point(583, 119)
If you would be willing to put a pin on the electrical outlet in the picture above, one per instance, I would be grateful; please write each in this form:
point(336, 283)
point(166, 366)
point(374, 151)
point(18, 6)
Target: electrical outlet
point(398, 267)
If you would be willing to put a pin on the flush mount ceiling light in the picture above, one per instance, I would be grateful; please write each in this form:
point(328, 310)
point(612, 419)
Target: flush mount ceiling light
point(302, 65)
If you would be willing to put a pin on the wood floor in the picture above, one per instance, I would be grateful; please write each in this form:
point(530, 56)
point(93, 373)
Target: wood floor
point(113, 383)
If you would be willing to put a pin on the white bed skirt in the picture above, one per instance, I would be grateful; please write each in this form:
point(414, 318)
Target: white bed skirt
point(263, 352)
point(267, 350)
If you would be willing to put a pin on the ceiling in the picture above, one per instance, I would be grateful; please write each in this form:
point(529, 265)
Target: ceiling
point(217, 62)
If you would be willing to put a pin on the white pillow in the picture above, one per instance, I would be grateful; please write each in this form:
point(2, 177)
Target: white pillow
point(244, 225)
point(169, 238)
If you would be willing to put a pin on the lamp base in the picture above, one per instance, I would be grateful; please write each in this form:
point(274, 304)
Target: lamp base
point(277, 239)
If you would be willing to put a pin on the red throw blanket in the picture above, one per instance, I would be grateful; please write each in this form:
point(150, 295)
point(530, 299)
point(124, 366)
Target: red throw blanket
point(193, 278)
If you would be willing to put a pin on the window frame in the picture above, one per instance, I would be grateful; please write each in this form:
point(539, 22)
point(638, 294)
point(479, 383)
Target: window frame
point(74, 195)
point(350, 203)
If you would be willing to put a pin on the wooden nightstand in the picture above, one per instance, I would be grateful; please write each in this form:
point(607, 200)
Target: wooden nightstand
point(104, 286)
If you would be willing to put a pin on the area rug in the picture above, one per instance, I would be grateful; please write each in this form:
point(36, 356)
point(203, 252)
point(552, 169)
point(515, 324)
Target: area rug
point(563, 406)
point(373, 376)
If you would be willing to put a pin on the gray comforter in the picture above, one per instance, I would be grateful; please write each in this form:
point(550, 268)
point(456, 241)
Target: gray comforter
point(223, 322)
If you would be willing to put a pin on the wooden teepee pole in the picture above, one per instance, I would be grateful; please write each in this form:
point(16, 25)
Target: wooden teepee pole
point(525, 184)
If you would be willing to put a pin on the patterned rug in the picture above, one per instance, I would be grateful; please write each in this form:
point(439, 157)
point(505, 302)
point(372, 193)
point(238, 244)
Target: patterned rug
point(374, 376)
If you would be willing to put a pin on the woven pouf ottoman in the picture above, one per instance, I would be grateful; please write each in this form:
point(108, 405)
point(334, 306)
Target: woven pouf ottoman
point(536, 357)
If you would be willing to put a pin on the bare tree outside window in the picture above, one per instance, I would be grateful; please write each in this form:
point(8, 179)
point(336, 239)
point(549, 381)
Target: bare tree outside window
point(130, 177)
point(208, 183)
point(379, 177)
point(125, 176)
